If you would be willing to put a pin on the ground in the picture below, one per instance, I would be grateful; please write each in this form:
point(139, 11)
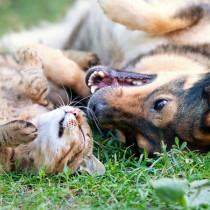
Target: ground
point(128, 179)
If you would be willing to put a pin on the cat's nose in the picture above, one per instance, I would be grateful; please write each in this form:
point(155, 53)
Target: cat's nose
point(75, 112)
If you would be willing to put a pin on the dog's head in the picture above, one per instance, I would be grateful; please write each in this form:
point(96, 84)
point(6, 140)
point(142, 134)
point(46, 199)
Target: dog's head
point(169, 99)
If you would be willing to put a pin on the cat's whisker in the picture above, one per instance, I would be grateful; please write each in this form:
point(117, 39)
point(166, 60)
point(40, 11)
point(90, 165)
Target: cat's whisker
point(67, 95)
point(81, 100)
point(74, 101)
point(62, 102)
point(71, 96)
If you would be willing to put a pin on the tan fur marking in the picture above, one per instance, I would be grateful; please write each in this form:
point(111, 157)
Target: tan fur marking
point(149, 17)
point(144, 143)
point(172, 66)
point(169, 63)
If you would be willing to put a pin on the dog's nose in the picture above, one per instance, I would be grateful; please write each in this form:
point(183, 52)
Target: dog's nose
point(98, 108)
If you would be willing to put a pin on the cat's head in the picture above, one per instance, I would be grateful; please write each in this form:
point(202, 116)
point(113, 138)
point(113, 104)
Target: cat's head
point(64, 138)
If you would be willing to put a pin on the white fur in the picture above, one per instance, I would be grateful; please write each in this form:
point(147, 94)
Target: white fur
point(48, 145)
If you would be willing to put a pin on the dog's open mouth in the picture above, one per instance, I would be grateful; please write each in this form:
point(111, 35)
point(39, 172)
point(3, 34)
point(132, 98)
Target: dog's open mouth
point(99, 77)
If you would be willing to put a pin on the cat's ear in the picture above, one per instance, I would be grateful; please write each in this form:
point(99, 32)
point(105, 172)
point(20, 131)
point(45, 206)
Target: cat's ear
point(92, 166)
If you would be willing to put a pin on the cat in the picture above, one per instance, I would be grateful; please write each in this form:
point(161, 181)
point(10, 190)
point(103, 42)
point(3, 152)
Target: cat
point(33, 134)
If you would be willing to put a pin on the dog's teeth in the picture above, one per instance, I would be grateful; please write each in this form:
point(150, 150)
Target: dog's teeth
point(137, 82)
point(101, 73)
point(89, 83)
point(129, 80)
point(91, 77)
point(93, 89)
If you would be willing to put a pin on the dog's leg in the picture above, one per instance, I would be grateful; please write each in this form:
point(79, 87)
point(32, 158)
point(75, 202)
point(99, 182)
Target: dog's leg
point(156, 17)
point(84, 59)
point(60, 70)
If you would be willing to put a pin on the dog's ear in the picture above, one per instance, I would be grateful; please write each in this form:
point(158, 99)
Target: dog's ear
point(206, 118)
point(206, 121)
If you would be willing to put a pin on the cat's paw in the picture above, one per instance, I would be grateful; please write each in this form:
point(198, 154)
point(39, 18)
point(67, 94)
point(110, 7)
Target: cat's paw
point(29, 58)
point(37, 88)
point(23, 132)
point(32, 73)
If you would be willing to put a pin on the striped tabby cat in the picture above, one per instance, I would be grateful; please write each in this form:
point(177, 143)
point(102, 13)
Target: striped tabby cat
point(32, 134)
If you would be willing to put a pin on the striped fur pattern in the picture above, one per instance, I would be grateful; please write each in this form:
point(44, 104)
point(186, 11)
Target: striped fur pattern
point(32, 134)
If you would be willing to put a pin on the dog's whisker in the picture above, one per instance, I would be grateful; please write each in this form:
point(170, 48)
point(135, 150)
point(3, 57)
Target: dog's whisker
point(94, 119)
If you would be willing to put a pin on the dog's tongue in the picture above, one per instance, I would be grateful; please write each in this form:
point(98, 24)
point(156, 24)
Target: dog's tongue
point(112, 82)
point(108, 82)
point(115, 82)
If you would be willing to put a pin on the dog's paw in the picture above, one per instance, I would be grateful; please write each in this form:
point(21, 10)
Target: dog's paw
point(90, 60)
point(85, 60)
point(114, 9)
point(107, 5)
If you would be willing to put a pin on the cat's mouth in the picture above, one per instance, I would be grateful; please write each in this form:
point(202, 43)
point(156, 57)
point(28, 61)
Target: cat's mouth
point(72, 123)
point(100, 77)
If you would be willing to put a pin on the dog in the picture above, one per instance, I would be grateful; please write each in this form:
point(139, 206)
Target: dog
point(154, 82)
point(162, 93)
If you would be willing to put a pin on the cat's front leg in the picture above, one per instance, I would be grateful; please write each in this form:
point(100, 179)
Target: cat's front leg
point(33, 76)
point(60, 70)
point(17, 132)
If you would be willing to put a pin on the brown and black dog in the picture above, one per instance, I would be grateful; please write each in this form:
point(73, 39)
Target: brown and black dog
point(162, 93)
point(161, 49)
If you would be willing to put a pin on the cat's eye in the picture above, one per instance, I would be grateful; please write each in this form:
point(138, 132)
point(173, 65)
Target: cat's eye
point(158, 106)
point(61, 128)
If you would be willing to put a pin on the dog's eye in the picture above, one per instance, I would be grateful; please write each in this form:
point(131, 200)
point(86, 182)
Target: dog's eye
point(160, 104)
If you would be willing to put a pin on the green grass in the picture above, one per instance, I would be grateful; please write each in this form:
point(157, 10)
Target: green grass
point(127, 182)
point(19, 14)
